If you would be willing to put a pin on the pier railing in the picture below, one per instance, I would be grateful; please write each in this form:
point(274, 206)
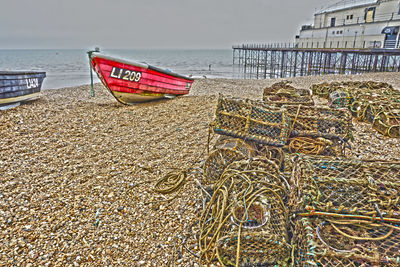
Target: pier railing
point(265, 46)
point(273, 61)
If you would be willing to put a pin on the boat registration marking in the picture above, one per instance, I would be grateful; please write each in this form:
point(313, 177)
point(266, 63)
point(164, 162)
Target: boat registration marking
point(124, 74)
point(32, 83)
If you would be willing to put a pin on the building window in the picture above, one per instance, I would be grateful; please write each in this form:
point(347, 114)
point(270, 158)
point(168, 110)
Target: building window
point(333, 32)
point(341, 32)
point(333, 21)
point(369, 15)
point(349, 17)
point(337, 32)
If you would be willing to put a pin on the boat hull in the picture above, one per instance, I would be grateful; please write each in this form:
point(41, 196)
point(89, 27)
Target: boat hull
point(130, 98)
point(133, 82)
point(17, 87)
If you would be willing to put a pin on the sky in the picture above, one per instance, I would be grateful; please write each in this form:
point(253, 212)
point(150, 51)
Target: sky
point(151, 24)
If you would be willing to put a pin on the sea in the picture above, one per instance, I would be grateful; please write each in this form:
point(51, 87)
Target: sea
point(70, 67)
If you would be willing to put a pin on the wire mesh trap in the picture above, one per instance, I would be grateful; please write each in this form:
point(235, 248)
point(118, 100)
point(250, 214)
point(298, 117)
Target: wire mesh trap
point(251, 120)
point(322, 242)
point(384, 117)
point(320, 122)
point(354, 88)
point(282, 93)
point(366, 100)
point(245, 222)
point(225, 151)
point(228, 149)
point(387, 123)
point(275, 154)
point(368, 190)
point(340, 99)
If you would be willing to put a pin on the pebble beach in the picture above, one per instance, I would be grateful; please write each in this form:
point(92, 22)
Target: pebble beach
point(77, 172)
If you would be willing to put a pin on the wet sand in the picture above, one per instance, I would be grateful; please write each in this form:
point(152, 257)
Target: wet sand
point(77, 173)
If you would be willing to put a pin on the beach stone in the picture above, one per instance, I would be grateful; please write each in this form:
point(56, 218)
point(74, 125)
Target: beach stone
point(67, 155)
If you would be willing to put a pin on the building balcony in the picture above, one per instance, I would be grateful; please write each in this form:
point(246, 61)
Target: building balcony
point(385, 17)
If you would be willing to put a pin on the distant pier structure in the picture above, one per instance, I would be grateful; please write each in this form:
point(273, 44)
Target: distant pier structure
point(346, 37)
point(262, 61)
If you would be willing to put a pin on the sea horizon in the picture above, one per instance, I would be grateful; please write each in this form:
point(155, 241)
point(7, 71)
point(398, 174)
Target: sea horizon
point(70, 67)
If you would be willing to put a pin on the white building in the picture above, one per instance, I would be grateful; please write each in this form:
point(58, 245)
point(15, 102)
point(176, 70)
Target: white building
point(354, 24)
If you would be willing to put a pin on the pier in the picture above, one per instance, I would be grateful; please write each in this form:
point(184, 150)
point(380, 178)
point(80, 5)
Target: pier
point(261, 61)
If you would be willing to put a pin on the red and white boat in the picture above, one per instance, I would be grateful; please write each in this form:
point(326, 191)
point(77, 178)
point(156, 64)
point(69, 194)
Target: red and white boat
point(134, 82)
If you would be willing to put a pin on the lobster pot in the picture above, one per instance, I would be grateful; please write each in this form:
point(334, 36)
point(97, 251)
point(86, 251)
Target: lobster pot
point(354, 89)
point(280, 100)
point(285, 86)
point(283, 93)
point(226, 151)
point(339, 99)
point(384, 116)
point(356, 109)
point(246, 216)
point(370, 190)
point(393, 95)
point(365, 110)
point(367, 85)
point(371, 96)
point(320, 122)
point(387, 123)
point(324, 89)
point(331, 242)
point(273, 153)
point(369, 112)
point(251, 120)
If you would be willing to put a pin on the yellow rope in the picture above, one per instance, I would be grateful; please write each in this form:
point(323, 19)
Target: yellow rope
point(306, 145)
point(362, 238)
point(218, 211)
point(295, 119)
point(171, 182)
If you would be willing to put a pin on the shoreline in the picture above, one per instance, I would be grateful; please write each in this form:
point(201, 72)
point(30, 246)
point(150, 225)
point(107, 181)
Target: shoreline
point(78, 172)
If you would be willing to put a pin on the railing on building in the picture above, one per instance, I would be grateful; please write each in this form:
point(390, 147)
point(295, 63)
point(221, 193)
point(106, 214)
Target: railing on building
point(376, 18)
point(358, 20)
point(346, 4)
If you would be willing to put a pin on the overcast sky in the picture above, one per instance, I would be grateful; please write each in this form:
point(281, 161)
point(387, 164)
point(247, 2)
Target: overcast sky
point(140, 24)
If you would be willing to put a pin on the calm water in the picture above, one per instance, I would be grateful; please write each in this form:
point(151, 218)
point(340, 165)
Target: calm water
point(71, 67)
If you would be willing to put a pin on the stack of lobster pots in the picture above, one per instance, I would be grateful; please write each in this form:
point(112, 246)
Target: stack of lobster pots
point(282, 193)
point(315, 130)
point(245, 221)
point(345, 212)
point(376, 103)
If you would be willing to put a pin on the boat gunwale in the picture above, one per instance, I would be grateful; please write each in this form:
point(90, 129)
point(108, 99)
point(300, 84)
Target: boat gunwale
point(143, 65)
point(22, 73)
